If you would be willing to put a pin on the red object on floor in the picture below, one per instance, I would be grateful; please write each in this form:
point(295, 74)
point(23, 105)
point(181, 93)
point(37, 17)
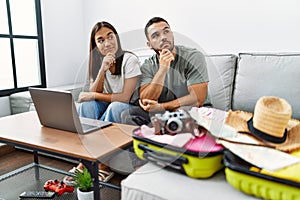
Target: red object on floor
point(57, 186)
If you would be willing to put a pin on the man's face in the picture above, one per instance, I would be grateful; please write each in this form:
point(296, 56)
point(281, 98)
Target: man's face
point(160, 37)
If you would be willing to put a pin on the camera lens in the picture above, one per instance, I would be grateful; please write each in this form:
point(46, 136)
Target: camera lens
point(174, 125)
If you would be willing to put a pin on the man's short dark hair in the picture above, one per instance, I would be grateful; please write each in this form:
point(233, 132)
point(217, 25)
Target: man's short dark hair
point(152, 21)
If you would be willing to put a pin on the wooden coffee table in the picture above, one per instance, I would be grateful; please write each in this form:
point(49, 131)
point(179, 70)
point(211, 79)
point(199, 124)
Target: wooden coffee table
point(24, 130)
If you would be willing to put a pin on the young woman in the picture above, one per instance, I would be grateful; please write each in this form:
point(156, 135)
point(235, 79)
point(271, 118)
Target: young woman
point(113, 77)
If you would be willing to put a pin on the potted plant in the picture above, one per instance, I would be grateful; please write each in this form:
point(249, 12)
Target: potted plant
point(84, 184)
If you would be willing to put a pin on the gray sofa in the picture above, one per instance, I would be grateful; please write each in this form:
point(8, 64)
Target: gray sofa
point(236, 82)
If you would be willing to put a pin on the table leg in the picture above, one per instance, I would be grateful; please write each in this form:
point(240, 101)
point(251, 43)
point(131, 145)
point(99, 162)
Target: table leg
point(93, 168)
point(35, 157)
point(36, 166)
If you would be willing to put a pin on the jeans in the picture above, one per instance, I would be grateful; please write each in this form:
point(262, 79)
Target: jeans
point(113, 112)
point(102, 110)
point(92, 109)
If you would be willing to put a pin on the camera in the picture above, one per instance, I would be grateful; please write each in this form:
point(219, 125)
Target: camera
point(173, 123)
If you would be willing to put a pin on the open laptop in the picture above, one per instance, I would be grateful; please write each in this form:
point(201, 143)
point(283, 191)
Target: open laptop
point(56, 109)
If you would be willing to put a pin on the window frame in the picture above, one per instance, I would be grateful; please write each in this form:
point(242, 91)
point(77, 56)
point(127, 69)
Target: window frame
point(39, 38)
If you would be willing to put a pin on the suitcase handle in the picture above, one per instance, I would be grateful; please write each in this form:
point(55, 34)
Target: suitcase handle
point(163, 158)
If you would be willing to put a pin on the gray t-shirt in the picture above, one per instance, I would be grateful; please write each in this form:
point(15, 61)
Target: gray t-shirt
point(188, 68)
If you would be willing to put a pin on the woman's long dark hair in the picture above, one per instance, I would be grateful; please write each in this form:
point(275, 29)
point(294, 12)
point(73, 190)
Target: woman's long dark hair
point(96, 58)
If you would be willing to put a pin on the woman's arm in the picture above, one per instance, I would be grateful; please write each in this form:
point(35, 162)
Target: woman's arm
point(98, 84)
point(108, 62)
point(124, 96)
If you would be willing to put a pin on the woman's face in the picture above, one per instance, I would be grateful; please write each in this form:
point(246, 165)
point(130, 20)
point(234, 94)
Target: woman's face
point(106, 41)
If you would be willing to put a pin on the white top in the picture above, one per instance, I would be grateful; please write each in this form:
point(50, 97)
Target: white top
point(130, 68)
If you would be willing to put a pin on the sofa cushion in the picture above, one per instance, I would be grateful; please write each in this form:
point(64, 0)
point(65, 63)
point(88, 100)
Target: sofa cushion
point(221, 69)
point(21, 102)
point(261, 74)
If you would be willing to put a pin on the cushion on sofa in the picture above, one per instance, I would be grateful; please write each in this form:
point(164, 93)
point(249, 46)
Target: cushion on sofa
point(261, 74)
point(20, 102)
point(221, 69)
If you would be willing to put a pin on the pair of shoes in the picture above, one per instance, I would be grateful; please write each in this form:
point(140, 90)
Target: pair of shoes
point(69, 180)
point(105, 176)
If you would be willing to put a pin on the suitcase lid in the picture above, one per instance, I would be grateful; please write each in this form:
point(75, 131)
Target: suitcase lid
point(235, 163)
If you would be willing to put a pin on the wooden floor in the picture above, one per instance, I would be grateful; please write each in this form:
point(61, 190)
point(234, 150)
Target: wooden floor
point(12, 159)
point(17, 158)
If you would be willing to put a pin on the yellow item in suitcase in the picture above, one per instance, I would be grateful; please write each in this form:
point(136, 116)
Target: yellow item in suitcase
point(187, 160)
point(254, 181)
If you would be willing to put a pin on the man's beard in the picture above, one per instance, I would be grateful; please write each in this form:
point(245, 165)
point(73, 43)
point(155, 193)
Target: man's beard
point(157, 51)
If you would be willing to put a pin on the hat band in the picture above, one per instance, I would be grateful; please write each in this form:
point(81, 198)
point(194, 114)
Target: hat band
point(266, 136)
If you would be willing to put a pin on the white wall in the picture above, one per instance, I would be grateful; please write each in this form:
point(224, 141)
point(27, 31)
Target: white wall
point(64, 41)
point(218, 26)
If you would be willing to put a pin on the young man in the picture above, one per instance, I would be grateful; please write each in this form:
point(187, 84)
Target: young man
point(176, 76)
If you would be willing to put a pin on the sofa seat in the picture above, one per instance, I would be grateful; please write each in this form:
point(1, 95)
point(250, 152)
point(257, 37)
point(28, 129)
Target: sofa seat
point(151, 182)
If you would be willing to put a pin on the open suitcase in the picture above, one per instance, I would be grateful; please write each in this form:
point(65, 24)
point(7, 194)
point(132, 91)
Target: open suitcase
point(247, 178)
point(193, 163)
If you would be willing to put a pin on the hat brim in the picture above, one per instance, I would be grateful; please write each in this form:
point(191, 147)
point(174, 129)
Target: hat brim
point(265, 136)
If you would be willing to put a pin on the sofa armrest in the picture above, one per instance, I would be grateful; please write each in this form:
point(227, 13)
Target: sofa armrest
point(22, 102)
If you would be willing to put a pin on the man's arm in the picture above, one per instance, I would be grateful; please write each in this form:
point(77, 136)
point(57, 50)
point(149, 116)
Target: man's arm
point(196, 97)
point(154, 89)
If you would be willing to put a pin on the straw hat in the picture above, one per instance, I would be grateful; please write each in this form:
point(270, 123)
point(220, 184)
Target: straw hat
point(271, 123)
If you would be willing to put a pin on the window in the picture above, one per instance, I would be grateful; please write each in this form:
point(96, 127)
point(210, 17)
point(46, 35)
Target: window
point(22, 61)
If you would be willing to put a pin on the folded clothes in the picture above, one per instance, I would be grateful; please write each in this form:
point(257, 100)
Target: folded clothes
point(204, 143)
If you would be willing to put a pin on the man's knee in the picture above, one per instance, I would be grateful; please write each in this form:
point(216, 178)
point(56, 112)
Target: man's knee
point(125, 117)
point(135, 116)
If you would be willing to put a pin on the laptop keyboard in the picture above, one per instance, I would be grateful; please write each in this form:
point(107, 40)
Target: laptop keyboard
point(87, 126)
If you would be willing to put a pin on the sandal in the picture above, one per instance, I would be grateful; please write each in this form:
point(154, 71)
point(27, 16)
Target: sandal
point(69, 180)
point(105, 176)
